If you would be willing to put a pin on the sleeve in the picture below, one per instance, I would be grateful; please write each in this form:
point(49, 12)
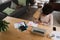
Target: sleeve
point(51, 20)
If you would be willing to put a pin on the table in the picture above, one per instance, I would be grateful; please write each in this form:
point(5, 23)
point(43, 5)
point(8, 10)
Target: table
point(14, 34)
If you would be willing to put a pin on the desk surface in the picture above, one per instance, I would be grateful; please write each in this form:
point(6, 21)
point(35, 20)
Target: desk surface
point(14, 34)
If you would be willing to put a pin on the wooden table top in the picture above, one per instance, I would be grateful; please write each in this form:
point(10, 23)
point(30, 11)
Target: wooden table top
point(15, 34)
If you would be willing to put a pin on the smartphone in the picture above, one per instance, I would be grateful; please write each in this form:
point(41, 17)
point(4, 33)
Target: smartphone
point(54, 28)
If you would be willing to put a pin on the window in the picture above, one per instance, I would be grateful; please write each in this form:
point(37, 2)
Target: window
point(57, 1)
point(3, 1)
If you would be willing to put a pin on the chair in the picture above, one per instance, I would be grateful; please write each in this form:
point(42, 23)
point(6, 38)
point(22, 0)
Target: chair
point(55, 4)
point(2, 16)
point(2, 7)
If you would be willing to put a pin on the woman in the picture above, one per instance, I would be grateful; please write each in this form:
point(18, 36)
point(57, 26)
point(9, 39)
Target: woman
point(46, 17)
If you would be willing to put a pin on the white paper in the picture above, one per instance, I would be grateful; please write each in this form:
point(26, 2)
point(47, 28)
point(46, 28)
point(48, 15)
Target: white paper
point(17, 25)
point(56, 35)
point(32, 24)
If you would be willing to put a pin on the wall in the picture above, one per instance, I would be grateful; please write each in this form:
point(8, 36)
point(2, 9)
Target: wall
point(4, 0)
point(0, 1)
point(56, 18)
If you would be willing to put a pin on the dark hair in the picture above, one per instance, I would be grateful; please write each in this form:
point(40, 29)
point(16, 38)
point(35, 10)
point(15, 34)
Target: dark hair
point(47, 9)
